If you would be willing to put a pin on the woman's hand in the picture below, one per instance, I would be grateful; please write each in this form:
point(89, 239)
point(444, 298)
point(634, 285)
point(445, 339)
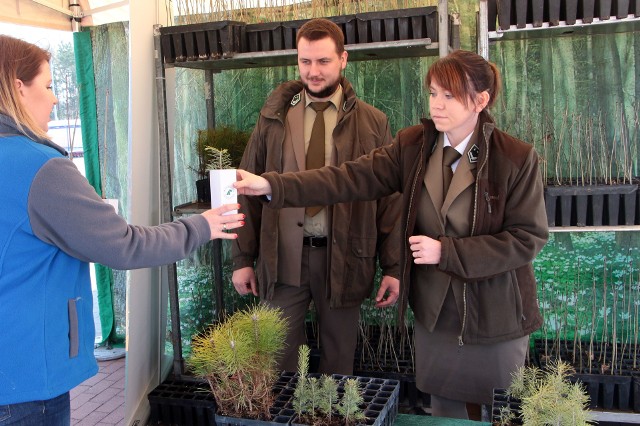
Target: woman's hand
point(250, 184)
point(220, 223)
point(426, 251)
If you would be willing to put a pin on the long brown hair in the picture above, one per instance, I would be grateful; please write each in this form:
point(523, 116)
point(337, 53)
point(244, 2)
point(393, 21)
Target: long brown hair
point(465, 74)
point(19, 60)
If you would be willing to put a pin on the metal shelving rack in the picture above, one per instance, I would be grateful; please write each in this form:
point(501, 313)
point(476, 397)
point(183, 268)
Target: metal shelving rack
point(448, 35)
point(626, 24)
point(597, 26)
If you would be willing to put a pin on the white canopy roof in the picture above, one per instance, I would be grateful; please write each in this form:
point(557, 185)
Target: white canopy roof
point(51, 13)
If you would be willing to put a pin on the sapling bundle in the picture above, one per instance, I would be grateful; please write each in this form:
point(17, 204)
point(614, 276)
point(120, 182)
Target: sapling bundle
point(586, 148)
point(367, 354)
point(201, 11)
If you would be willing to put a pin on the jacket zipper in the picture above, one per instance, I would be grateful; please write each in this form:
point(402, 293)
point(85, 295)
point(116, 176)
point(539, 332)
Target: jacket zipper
point(464, 314)
point(488, 199)
point(473, 231)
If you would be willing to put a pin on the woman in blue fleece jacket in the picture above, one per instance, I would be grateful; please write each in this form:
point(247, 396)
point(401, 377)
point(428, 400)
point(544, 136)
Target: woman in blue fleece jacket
point(53, 224)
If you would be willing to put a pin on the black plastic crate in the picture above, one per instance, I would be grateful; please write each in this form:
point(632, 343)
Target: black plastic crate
point(593, 365)
point(520, 13)
point(264, 37)
point(177, 402)
point(394, 25)
point(290, 31)
point(380, 402)
point(211, 40)
point(606, 391)
point(591, 205)
point(502, 400)
point(369, 27)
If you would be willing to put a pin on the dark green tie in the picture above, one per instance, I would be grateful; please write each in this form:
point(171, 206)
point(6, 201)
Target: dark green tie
point(449, 156)
point(315, 151)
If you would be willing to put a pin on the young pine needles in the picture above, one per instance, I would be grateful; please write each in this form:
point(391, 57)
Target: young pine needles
point(220, 159)
point(316, 399)
point(349, 406)
point(548, 397)
point(238, 359)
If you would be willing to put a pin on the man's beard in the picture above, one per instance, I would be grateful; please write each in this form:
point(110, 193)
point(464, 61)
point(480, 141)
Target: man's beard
point(324, 93)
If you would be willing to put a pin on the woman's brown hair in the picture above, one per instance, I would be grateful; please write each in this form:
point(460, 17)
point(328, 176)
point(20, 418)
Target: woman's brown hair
point(465, 74)
point(19, 61)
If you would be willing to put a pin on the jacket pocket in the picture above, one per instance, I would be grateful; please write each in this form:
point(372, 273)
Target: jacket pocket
point(363, 247)
point(361, 269)
point(73, 328)
point(499, 306)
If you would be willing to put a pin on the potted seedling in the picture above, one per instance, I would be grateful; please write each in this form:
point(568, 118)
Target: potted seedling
point(322, 400)
point(218, 148)
point(542, 397)
point(237, 357)
point(316, 399)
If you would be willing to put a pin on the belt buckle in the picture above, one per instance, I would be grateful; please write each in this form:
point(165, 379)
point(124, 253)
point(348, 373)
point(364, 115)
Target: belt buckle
point(315, 240)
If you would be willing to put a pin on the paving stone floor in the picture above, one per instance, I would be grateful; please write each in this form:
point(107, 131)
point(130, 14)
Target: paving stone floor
point(99, 401)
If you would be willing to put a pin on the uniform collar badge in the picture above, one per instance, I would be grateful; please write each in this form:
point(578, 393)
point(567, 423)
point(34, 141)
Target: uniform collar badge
point(296, 99)
point(473, 154)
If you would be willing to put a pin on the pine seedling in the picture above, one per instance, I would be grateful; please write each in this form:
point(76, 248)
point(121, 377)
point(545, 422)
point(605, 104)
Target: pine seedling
point(303, 361)
point(349, 406)
point(237, 358)
point(313, 388)
point(548, 397)
point(301, 398)
point(524, 381)
point(505, 417)
point(220, 158)
point(328, 396)
point(317, 399)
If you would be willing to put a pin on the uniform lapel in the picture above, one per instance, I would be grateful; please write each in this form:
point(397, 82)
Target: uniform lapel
point(463, 177)
point(295, 117)
point(433, 176)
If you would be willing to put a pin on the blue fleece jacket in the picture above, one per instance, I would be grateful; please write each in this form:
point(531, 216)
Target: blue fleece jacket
point(53, 224)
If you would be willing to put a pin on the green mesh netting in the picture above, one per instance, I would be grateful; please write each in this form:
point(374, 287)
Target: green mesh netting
point(104, 113)
point(111, 65)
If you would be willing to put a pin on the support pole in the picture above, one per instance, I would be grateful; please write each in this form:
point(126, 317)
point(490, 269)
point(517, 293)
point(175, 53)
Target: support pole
point(483, 29)
point(166, 199)
point(443, 28)
point(216, 261)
